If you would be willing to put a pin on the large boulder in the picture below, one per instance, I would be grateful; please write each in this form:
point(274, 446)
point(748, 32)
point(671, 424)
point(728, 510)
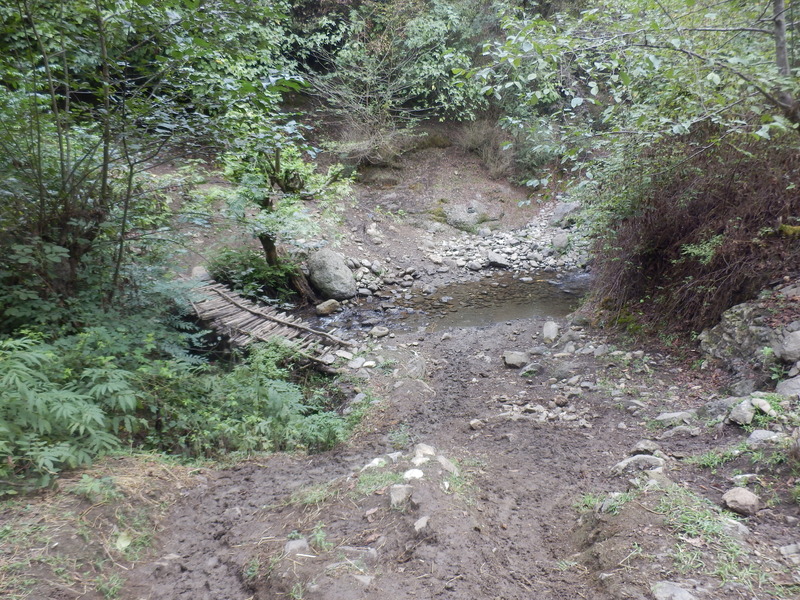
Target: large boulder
point(330, 276)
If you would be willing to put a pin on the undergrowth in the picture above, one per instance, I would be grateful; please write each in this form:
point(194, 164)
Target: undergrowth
point(687, 228)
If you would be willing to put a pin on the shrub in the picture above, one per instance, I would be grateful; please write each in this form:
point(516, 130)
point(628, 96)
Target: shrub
point(690, 227)
point(246, 271)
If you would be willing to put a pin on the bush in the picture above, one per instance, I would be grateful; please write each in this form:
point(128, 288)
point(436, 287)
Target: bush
point(246, 271)
point(54, 416)
point(251, 408)
point(692, 226)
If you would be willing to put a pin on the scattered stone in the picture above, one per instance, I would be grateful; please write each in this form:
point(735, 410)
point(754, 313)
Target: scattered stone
point(680, 431)
point(668, 590)
point(736, 529)
point(639, 462)
point(365, 580)
point(421, 524)
point(399, 493)
point(344, 354)
point(497, 260)
point(550, 332)
point(564, 212)
point(448, 465)
point(791, 553)
point(788, 347)
point(718, 409)
point(789, 387)
point(515, 360)
point(742, 501)
point(424, 450)
point(763, 406)
point(379, 331)
point(560, 241)
point(675, 418)
point(646, 447)
point(412, 474)
point(762, 437)
point(743, 413)
point(293, 547)
point(376, 463)
point(744, 479)
point(356, 363)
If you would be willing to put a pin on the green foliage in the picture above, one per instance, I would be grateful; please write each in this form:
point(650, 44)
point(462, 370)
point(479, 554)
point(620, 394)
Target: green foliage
point(251, 408)
point(246, 270)
point(52, 415)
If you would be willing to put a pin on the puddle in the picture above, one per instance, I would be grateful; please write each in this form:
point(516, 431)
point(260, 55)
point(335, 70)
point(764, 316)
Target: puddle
point(500, 299)
point(473, 304)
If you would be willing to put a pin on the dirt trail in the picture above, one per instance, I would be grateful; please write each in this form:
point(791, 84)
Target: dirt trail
point(493, 514)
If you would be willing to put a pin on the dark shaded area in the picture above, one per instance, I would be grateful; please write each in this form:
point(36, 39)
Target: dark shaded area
point(708, 229)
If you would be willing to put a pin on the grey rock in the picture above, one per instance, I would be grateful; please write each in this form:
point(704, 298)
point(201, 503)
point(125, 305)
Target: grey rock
point(293, 547)
point(791, 552)
point(675, 418)
point(475, 424)
point(531, 369)
point(743, 413)
point(789, 387)
point(646, 447)
point(328, 307)
point(497, 260)
point(743, 386)
point(736, 529)
point(365, 580)
point(379, 331)
point(680, 431)
point(762, 437)
point(448, 465)
point(640, 462)
point(550, 332)
point(474, 265)
point(515, 360)
point(742, 501)
point(762, 405)
point(668, 590)
point(399, 493)
point(415, 367)
point(421, 524)
point(560, 241)
point(787, 347)
point(564, 213)
point(718, 409)
point(330, 275)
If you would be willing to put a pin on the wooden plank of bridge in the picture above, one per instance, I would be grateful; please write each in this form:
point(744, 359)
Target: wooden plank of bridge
point(244, 322)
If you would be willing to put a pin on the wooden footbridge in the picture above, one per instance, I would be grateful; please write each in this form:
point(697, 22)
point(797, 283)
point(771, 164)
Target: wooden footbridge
point(244, 322)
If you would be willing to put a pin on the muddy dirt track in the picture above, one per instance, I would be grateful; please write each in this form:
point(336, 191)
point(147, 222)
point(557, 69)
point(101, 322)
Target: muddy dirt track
point(469, 479)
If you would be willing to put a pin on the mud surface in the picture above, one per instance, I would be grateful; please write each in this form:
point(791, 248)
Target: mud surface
point(497, 511)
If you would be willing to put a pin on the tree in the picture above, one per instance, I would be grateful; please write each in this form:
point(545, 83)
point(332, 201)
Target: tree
point(652, 67)
point(93, 91)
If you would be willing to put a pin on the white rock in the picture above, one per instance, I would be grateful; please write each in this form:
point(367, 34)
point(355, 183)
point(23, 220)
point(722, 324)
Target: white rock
point(421, 524)
point(376, 463)
point(637, 462)
point(550, 332)
point(412, 474)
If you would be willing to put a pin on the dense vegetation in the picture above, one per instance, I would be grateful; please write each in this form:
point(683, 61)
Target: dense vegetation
point(675, 121)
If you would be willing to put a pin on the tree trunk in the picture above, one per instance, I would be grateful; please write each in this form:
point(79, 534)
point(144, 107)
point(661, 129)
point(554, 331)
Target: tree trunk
point(789, 104)
point(298, 281)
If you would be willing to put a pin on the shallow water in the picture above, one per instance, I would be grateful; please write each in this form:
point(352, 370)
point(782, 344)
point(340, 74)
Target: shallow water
point(501, 298)
point(472, 304)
